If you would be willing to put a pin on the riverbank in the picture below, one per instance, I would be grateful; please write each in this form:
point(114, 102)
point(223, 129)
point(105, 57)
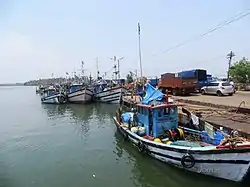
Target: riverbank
point(240, 101)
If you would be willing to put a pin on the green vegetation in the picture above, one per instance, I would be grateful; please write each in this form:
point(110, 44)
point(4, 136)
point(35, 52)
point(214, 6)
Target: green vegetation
point(240, 71)
point(44, 81)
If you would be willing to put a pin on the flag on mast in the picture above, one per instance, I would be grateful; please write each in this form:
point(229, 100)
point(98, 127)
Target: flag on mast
point(139, 29)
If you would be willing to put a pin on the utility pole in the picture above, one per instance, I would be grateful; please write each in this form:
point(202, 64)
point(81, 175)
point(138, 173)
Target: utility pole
point(230, 57)
point(139, 39)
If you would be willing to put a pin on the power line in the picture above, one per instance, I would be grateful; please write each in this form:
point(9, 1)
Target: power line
point(217, 27)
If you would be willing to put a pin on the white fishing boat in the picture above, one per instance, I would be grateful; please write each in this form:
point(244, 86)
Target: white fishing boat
point(155, 130)
point(111, 95)
point(79, 93)
point(52, 96)
point(107, 94)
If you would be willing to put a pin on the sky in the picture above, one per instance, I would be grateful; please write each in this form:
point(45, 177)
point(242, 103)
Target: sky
point(38, 38)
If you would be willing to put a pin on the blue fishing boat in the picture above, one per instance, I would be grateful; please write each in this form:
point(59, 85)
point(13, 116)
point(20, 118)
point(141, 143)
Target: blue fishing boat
point(155, 129)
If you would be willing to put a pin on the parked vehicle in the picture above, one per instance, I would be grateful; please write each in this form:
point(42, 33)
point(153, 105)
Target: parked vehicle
point(199, 74)
point(219, 88)
point(176, 85)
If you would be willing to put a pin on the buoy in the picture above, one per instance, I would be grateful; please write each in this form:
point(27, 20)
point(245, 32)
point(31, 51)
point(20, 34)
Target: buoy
point(168, 142)
point(157, 140)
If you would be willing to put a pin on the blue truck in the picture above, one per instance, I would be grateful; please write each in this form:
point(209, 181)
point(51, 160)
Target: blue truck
point(153, 81)
point(199, 74)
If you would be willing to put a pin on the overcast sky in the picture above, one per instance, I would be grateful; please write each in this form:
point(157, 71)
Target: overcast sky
point(38, 38)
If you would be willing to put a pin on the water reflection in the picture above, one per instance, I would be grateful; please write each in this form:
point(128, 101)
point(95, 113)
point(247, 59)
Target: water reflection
point(80, 116)
point(104, 113)
point(103, 110)
point(54, 110)
point(149, 172)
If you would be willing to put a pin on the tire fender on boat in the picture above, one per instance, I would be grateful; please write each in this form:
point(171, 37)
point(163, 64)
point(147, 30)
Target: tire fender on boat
point(125, 135)
point(187, 161)
point(141, 147)
point(59, 99)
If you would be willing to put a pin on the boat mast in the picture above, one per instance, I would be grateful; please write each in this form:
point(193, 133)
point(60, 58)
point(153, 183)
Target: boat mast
point(115, 67)
point(139, 39)
point(118, 66)
point(82, 72)
point(97, 68)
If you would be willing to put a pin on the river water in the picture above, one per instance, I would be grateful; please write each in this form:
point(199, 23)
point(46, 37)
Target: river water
point(75, 146)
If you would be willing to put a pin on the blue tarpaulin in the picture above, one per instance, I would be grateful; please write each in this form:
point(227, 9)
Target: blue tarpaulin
point(126, 116)
point(152, 94)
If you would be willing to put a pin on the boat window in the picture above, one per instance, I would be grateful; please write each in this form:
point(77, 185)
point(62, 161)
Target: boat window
point(160, 113)
point(143, 111)
point(166, 111)
point(139, 110)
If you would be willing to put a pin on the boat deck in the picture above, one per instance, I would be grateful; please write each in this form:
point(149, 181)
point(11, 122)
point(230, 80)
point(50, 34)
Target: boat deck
point(216, 116)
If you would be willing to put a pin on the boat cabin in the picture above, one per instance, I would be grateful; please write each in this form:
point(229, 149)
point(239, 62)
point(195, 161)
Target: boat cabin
point(100, 86)
point(75, 87)
point(157, 119)
point(50, 92)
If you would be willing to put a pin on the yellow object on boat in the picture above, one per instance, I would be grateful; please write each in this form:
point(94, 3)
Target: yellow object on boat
point(168, 142)
point(181, 132)
point(157, 140)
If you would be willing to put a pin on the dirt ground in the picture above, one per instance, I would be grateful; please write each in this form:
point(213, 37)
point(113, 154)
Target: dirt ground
point(233, 101)
point(223, 117)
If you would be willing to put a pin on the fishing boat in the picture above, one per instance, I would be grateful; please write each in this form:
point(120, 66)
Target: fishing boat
point(153, 126)
point(40, 89)
point(108, 94)
point(79, 93)
point(52, 96)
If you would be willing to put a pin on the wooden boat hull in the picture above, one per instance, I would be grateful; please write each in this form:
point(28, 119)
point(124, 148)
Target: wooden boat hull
point(230, 164)
point(81, 96)
point(112, 96)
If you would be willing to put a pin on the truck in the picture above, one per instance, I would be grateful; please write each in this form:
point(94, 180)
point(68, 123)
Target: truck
point(176, 85)
point(199, 74)
point(153, 81)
